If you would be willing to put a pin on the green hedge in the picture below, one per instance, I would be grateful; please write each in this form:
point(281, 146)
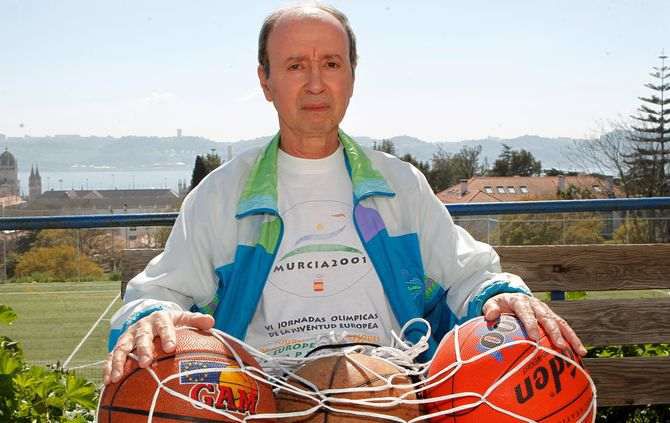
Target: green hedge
point(37, 394)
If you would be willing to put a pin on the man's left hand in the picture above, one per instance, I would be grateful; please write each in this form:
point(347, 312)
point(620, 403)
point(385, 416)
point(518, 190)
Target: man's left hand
point(532, 312)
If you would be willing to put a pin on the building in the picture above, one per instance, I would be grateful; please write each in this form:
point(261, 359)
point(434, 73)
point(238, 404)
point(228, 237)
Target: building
point(102, 201)
point(486, 189)
point(9, 175)
point(34, 184)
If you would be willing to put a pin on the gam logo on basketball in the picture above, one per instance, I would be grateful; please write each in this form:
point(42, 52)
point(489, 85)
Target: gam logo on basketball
point(543, 377)
point(218, 384)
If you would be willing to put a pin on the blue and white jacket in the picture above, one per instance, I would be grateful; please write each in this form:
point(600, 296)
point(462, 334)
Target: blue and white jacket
point(223, 245)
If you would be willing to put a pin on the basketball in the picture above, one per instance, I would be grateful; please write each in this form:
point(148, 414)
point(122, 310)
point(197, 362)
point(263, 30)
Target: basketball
point(206, 379)
point(518, 379)
point(347, 371)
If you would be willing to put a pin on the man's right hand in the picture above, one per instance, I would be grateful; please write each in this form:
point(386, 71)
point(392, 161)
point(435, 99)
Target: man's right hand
point(140, 337)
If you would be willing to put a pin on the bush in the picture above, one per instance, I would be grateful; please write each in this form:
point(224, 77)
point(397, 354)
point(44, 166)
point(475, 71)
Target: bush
point(57, 263)
point(633, 414)
point(114, 276)
point(633, 231)
point(37, 394)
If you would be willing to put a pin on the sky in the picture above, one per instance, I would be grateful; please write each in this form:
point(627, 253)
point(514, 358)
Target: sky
point(437, 70)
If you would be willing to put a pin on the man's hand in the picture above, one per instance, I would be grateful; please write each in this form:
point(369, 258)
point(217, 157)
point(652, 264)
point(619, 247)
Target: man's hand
point(140, 336)
point(532, 311)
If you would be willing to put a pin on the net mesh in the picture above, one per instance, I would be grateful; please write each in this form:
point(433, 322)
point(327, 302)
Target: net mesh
point(278, 371)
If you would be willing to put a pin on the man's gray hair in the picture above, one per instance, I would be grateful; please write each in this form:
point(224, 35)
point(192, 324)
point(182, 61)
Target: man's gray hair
point(271, 20)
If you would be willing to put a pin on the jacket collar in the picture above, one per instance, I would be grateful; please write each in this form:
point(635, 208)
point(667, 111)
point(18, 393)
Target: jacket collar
point(260, 191)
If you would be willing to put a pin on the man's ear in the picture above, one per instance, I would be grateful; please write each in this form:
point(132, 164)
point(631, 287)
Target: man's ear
point(265, 84)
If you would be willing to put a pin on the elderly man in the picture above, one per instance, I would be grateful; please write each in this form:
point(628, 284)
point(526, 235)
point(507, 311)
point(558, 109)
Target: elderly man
point(313, 237)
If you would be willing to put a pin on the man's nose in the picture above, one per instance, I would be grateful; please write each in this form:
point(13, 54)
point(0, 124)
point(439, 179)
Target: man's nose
point(315, 82)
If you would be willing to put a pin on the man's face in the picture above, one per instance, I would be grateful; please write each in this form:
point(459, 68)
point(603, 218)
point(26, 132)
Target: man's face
point(311, 79)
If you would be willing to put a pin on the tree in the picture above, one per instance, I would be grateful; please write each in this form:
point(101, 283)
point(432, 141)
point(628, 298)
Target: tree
point(386, 146)
point(528, 229)
point(424, 167)
point(633, 231)
point(465, 163)
point(555, 172)
point(212, 161)
point(98, 244)
point(573, 192)
point(501, 167)
point(199, 171)
point(57, 263)
point(606, 152)
point(515, 163)
point(650, 157)
point(441, 175)
point(448, 169)
point(203, 165)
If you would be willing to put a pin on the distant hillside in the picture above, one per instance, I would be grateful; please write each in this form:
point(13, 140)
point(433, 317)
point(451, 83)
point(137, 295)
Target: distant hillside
point(72, 152)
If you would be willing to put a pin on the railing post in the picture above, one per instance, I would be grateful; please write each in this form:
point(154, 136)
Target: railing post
point(557, 295)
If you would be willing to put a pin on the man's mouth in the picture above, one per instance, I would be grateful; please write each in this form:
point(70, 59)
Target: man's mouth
point(316, 107)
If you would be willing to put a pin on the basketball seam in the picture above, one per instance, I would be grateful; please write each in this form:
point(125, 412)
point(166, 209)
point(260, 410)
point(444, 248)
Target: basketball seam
point(330, 382)
point(125, 379)
point(588, 387)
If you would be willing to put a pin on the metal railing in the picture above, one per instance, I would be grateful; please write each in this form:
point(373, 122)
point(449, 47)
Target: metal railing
point(469, 209)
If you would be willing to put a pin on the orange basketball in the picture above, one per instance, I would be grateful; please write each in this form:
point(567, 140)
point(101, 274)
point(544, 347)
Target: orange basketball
point(202, 371)
point(350, 371)
point(546, 388)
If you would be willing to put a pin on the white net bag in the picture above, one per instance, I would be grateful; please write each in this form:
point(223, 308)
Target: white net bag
point(368, 383)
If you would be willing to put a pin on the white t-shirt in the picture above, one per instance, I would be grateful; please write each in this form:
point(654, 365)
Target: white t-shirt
point(322, 285)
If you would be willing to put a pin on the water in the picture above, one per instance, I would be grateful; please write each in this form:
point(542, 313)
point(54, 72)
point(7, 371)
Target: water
point(106, 179)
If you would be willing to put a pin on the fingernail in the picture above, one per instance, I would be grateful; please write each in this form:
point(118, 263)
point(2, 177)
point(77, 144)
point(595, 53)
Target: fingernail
point(169, 345)
point(115, 375)
point(582, 351)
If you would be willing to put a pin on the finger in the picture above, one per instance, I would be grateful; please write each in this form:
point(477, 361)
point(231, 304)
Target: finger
point(572, 338)
point(524, 312)
point(119, 355)
point(196, 320)
point(144, 341)
point(163, 326)
point(549, 321)
point(491, 310)
point(107, 370)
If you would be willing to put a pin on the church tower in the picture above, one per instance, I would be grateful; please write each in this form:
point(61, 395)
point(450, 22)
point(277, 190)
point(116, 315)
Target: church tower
point(9, 179)
point(34, 184)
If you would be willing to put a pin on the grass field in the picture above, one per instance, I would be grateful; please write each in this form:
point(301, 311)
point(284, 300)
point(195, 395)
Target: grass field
point(54, 317)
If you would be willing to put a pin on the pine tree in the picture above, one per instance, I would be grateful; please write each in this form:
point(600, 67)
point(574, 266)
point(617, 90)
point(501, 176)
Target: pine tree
point(649, 159)
point(386, 146)
point(199, 171)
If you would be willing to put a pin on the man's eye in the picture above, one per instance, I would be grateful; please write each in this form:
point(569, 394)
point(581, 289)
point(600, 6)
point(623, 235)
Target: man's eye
point(332, 65)
point(295, 66)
